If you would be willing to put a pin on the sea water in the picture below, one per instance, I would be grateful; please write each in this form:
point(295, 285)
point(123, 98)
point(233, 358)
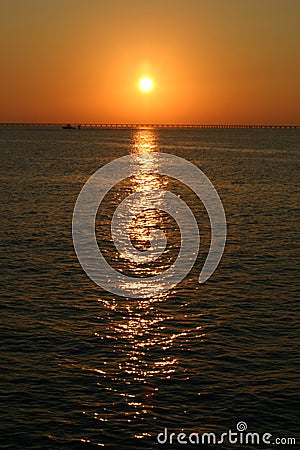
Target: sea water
point(84, 368)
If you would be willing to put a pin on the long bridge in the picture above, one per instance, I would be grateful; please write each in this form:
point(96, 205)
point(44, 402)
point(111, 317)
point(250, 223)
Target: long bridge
point(114, 126)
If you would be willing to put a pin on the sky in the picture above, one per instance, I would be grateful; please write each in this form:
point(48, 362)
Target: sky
point(211, 62)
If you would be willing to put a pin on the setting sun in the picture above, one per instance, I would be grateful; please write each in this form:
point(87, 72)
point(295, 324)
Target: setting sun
point(146, 84)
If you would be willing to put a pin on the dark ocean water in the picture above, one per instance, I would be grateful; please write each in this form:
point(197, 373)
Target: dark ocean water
point(83, 368)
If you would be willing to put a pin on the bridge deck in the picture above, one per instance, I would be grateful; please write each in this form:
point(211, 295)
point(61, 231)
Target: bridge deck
point(145, 125)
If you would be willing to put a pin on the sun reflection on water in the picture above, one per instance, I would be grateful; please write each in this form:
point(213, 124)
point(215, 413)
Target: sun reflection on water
point(147, 216)
point(140, 325)
point(144, 143)
point(138, 335)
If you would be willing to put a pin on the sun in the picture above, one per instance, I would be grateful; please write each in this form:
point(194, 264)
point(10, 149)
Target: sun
point(146, 84)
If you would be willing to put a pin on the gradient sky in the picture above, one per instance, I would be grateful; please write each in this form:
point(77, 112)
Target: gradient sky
point(217, 61)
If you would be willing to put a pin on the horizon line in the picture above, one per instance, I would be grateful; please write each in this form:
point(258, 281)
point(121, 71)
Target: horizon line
point(105, 125)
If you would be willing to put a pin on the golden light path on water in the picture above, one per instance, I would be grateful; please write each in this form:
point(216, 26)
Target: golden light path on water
point(137, 332)
point(144, 143)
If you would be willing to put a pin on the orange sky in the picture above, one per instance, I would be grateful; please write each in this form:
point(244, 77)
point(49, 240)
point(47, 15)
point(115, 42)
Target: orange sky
point(233, 61)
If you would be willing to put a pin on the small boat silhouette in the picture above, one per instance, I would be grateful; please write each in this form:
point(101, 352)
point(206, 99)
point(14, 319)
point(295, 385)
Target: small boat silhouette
point(71, 127)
